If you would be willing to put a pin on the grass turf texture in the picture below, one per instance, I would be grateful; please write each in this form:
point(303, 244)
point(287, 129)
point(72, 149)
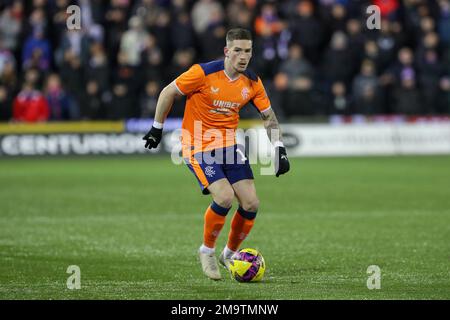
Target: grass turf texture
point(133, 226)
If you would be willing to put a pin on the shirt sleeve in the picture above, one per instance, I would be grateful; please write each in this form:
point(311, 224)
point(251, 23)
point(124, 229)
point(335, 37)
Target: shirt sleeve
point(191, 80)
point(260, 100)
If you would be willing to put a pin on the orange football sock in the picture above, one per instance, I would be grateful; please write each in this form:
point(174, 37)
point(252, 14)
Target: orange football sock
point(241, 225)
point(215, 217)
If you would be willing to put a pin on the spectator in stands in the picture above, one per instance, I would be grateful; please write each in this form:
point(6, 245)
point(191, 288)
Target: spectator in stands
point(5, 103)
point(296, 65)
point(148, 11)
point(205, 13)
point(182, 60)
point(11, 20)
point(366, 91)
point(8, 77)
point(212, 36)
point(430, 41)
point(78, 42)
point(307, 31)
point(387, 44)
point(340, 101)
point(33, 77)
point(446, 61)
point(134, 41)
point(116, 22)
point(410, 54)
point(212, 46)
point(268, 18)
point(92, 13)
point(97, 68)
point(6, 56)
point(427, 25)
point(407, 99)
point(239, 14)
point(149, 99)
point(122, 103)
point(336, 17)
point(37, 51)
point(72, 75)
point(61, 105)
point(413, 12)
point(30, 105)
point(388, 8)
point(405, 62)
point(182, 33)
point(93, 104)
point(58, 19)
point(37, 22)
point(178, 6)
point(124, 73)
point(338, 64)
point(372, 52)
point(444, 22)
point(40, 4)
point(162, 31)
point(124, 90)
point(294, 84)
point(443, 105)
point(356, 40)
point(401, 38)
point(153, 64)
point(391, 78)
point(92, 18)
point(430, 71)
point(268, 50)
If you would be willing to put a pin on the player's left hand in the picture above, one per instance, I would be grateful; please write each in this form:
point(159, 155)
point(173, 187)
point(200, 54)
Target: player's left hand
point(153, 138)
point(282, 162)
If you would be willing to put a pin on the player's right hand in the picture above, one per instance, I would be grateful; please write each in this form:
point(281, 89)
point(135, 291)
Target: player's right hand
point(152, 138)
point(281, 162)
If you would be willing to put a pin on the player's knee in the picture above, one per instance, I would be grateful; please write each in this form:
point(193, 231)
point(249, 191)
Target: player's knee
point(251, 205)
point(225, 198)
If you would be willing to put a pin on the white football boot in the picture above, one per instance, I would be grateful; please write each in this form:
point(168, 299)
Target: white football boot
point(209, 265)
point(225, 262)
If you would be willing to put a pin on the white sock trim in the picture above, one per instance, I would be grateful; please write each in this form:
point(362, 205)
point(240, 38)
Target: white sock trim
point(207, 250)
point(228, 253)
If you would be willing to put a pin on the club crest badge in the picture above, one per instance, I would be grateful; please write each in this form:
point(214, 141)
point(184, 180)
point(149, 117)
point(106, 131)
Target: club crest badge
point(245, 93)
point(209, 171)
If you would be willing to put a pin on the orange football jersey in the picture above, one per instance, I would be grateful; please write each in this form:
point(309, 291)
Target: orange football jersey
point(213, 101)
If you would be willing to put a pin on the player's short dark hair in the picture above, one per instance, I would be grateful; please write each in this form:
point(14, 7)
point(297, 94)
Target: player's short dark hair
point(238, 34)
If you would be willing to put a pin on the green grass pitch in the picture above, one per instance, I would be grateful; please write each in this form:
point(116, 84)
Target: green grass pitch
point(133, 226)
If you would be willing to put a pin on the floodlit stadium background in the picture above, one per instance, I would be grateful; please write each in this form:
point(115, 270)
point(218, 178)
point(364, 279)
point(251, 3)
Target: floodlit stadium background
point(321, 62)
point(77, 186)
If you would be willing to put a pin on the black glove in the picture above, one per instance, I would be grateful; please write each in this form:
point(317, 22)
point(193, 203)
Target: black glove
point(282, 162)
point(152, 138)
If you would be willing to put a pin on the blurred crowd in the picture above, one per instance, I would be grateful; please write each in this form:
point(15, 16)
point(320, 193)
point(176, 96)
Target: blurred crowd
point(315, 57)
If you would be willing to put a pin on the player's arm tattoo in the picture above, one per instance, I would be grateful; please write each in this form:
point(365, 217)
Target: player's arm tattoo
point(272, 126)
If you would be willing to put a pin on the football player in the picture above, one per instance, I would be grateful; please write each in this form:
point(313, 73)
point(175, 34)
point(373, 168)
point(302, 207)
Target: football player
point(215, 92)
